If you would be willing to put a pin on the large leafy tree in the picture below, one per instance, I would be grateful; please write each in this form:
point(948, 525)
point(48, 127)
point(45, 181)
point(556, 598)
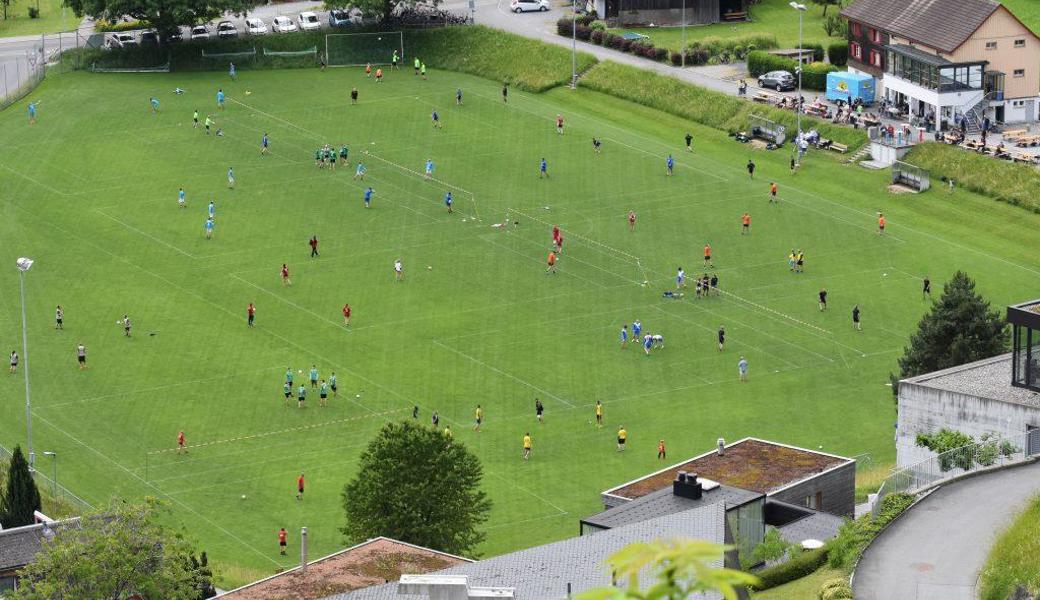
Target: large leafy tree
point(678, 570)
point(960, 328)
point(117, 553)
point(165, 16)
point(21, 497)
point(419, 486)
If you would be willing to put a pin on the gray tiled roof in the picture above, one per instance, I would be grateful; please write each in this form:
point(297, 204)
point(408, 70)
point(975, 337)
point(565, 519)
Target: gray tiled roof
point(989, 378)
point(817, 526)
point(940, 24)
point(663, 502)
point(543, 572)
point(19, 545)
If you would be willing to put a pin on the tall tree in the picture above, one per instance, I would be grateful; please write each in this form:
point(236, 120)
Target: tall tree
point(419, 486)
point(165, 16)
point(960, 328)
point(826, 3)
point(117, 553)
point(679, 569)
point(384, 9)
point(21, 497)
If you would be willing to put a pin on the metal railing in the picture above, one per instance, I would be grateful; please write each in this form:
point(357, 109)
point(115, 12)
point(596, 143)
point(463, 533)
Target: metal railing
point(990, 452)
point(60, 494)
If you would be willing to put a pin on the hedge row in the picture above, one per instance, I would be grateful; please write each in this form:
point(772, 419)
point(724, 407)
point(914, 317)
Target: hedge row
point(714, 109)
point(597, 35)
point(1008, 182)
point(838, 54)
point(855, 536)
point(814, 75)
point(801, 565)
point(525, 63)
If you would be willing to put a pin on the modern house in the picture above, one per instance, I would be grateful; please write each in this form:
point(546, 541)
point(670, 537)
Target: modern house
point(19, 546)
point(671, 12)
point(805, 494)
point(940, 59)
point(997, 396)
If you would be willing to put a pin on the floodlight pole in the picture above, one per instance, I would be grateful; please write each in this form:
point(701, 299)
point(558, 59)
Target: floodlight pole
point(682, 45)
point(798, 101)
point(23, 265)
point(574, 44)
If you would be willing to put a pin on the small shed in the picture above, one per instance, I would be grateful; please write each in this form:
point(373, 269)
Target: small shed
point(799, 55)
point(847, 87)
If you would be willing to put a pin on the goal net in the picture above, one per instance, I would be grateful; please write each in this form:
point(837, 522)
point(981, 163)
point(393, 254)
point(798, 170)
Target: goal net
point(224, 59)
point(291, 58)
point(355, 49)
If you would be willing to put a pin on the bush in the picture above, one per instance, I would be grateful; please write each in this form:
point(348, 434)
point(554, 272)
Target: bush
point(1008, 182)
point(725, 50)
point(799, 566)
point(818, 53)
point(597, 36)
point(660, 53)
point(563, 26)
point(112, 27)
point(583, 32)
point(836, 26)
point(598, 26)
point(835, 589)
point(814, 76)
point(855, 536)
point(760, 62)
point(34, 13)
point(838, 54)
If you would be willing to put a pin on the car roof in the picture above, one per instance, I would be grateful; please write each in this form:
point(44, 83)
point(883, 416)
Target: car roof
point(308, 13)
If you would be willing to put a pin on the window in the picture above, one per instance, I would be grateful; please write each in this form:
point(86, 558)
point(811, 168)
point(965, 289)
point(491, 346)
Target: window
point(856, 51)
point(1020, 73)
point(875, 58)
point(814, 502)
point(1018, 103)
point(857, 30)
point(991, 45)
point(875, 36)
point(1020, 43)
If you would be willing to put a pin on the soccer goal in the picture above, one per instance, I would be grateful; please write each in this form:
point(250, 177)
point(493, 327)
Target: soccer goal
point(223, 60)
point(356, 49)
point(291, 58)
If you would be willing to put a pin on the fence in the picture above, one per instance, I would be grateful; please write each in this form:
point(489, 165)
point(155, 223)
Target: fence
point(25, 62)
point(64, 500)
point(988, 453)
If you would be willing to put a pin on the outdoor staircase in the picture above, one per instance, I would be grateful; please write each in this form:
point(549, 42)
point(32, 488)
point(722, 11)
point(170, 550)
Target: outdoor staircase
point(975, 115)
point(859, 155)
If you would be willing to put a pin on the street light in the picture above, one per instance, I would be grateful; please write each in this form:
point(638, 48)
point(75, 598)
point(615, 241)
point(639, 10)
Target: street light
point(798, 103)
point(24, 264)
point(574, 44)
point(54, 473)
point(682, 46)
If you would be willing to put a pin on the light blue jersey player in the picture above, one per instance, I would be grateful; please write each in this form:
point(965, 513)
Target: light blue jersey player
point(359, 173)
point(368, 196)
point(220, 98)
point(670, 163)
point(448, 200)
point(429, 168)
point(637, 328)
point(32, 112)
point(181, 198)
point(543, 169)
point(232, 72)
point(155, 104)
point(288, 375)
point(209, 228)
point(314, 376)
point(212, 208)
point(230, 177)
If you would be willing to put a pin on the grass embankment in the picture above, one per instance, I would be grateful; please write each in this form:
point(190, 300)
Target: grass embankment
point(1013, 559)
point(1008, 182)
point(707, 107)
point(800, 589)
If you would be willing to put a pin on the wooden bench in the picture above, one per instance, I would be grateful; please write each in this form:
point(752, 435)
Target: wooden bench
point(839, 148)
point(764, 98)
point(1028, 140)
point(816, 111)
point(1022, 157)
point(1012, 134)
point(735, 15)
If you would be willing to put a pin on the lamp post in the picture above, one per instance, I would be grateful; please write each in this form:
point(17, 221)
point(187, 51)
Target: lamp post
point(574, 44)
point(24, 264)
point(682, 46)
point(798, 102)
point(54, 473)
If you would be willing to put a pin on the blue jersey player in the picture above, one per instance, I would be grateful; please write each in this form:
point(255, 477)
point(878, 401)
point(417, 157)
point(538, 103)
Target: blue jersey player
point(209, 228)
point(648, 342)
point(637, 328)
point(155, 104)
point(368, 196)
point(448, 199)
point(624, 336)
point(359, 173)
point(32, 112)
point(429, 168)
point(180, 197)
point(220, 98)
point(212, 208)
point(263, 144)
point(670, 164)
point(543, 169)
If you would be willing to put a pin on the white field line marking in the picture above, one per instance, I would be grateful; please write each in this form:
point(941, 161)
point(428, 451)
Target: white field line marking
point(288, 473)
point(503, 373)
point(742, 343)
point(37, 182)
point(551, 322)
point(579, 236)
point(152, 389)
point(774, 312)
point(147, 235)
point(159, 491)
point(526, 491)
point(338, 326)
point(489, 239)
point(569, 257)
point(279, 431)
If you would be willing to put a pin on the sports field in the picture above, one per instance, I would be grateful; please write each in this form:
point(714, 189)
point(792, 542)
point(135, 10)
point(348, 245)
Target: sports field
point(90, 192)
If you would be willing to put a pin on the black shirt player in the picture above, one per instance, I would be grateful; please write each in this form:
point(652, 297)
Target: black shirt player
point(927, 289)
point(823, 299)
point(751, 169)
point(722, 337)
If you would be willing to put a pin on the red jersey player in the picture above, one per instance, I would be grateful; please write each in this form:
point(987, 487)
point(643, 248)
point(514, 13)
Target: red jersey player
point(346, 314)
point(251, 313)
point(631, 220)
point(282, 535)
point(180, 443)
point(299, 487)
point(559, 124)
point(285, 275)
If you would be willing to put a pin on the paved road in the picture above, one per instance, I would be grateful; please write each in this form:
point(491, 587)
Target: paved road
point(937, 549)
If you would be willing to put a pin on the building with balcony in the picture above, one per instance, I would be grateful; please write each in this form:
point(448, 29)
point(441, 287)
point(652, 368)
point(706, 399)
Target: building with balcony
point(940, 60)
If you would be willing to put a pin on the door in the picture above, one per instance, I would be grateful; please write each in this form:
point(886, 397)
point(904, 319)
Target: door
point(1033, 441)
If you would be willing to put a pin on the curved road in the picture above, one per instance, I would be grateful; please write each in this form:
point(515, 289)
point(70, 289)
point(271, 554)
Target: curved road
point(937, 549)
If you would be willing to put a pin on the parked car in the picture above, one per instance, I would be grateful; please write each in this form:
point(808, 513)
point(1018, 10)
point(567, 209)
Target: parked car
point(778, 80)
point(171, 38)
point(149, 38)
point(256, 26)
point(227, 29)
point(519, 6)
point(341, 18)
point(121, 40)
point(309, 21)
point(283, 24)
point(199, 32)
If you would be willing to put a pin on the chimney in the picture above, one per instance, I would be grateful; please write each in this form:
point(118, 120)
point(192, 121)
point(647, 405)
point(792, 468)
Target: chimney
point(687, 486)
point(721, 446)
point(303, 550)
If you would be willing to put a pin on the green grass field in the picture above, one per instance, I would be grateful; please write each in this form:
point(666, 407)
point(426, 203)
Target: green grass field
point(18, 22)
point(90, 193)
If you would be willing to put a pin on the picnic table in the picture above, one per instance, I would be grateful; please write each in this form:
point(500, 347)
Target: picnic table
point(1012, 134)
point(764, 97)
point(1023, 141)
